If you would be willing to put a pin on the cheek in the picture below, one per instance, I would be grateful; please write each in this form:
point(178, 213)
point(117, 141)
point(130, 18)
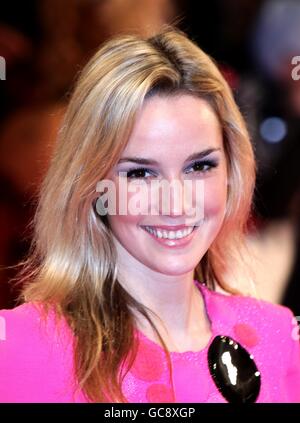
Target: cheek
point(215, 197)
point(118, 222)
point(130, 205)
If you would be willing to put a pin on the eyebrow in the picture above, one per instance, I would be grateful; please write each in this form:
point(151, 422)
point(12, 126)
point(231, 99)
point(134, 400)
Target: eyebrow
point(144, 161)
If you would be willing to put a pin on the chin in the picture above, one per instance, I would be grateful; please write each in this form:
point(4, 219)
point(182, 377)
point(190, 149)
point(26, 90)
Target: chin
point(174, 270)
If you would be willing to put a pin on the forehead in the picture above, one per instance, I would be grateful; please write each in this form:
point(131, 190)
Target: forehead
point(174, 124)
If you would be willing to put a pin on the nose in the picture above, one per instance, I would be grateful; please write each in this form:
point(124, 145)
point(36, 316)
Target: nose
point(173, 203)
point(175, 197)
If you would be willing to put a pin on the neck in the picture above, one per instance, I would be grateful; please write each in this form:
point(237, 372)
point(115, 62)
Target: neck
point(178, 305)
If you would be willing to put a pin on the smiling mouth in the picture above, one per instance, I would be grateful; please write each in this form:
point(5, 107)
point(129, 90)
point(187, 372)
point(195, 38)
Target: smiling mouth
point(171, 235)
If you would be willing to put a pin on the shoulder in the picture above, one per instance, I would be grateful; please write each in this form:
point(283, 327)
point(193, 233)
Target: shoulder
point(18, 323)
point(35, 354)
point(264, 327)
point(27, 311)
point(30, 321)
point(260, 312)
point(33, 330)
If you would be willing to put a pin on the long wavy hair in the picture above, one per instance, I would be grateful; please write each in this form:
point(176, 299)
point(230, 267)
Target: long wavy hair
point(72, 264)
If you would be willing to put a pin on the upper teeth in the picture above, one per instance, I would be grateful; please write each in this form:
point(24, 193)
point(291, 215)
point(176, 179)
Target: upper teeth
point(169, 234)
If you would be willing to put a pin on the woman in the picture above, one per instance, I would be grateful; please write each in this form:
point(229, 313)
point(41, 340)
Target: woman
point(135, 306)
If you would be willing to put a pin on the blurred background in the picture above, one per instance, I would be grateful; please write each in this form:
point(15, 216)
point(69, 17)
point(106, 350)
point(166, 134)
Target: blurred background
point(46, 42)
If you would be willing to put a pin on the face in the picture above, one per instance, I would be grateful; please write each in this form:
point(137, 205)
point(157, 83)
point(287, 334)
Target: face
point(177, 140)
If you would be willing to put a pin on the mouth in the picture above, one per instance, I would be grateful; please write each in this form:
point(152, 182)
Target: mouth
point(172, 238)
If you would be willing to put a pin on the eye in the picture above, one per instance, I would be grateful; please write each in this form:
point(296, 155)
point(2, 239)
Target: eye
point(198, 167)
point(138, 173)
point(203, 166)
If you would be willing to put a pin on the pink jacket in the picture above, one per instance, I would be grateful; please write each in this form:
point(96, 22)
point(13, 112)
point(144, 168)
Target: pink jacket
point(36, 359)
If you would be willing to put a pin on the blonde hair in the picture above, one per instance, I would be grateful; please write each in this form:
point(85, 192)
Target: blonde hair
point(72, 261)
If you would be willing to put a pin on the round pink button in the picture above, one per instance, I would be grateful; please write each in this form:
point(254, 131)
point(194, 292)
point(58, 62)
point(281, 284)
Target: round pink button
point(148, 365)
point(159, 392)
point(246, 334)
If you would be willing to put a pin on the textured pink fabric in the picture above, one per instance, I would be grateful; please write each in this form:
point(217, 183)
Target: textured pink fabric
point(36, 359)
